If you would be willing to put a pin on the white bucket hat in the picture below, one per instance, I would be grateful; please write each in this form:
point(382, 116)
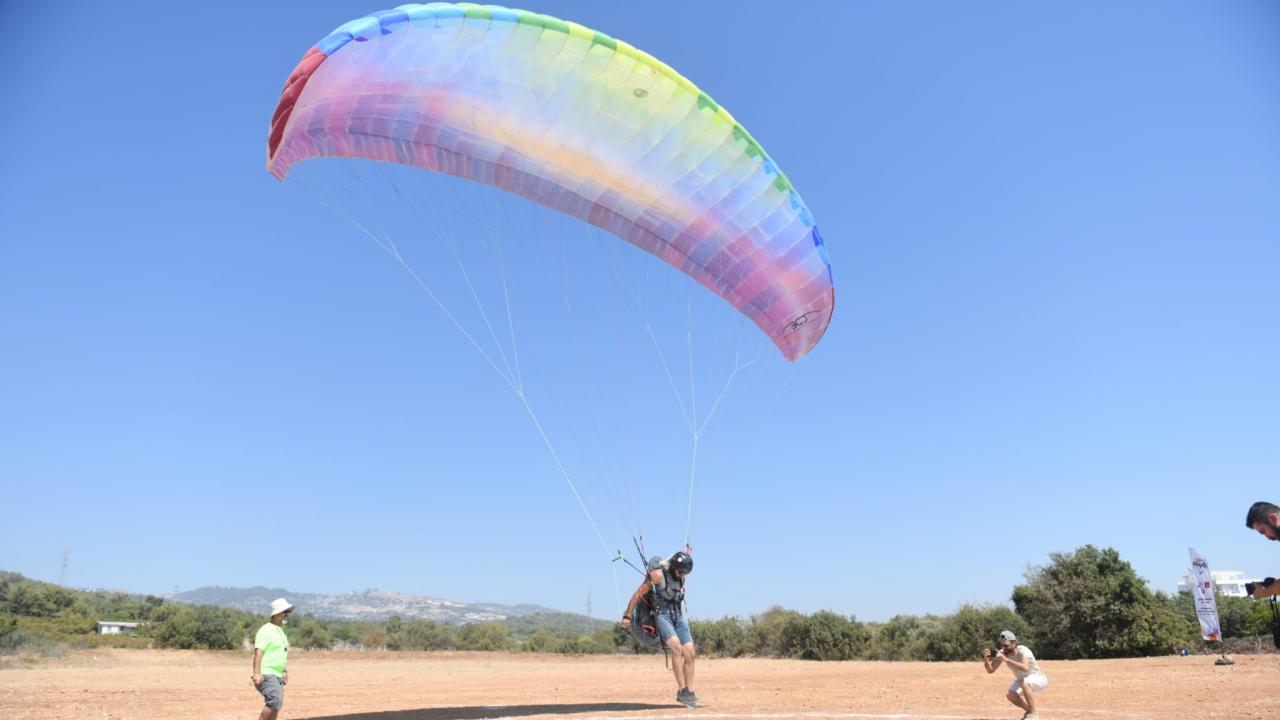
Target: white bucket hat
point(279, 605)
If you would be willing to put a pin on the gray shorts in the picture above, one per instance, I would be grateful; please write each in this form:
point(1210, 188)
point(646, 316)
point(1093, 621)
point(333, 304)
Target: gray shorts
point(272, 689)
point(677, 626)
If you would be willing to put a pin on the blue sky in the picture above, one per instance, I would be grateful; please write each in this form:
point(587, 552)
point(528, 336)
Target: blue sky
point(1056, 244)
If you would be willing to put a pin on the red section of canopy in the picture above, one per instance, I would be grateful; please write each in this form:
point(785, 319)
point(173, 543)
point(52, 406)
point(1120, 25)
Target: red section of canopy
point(289, 96)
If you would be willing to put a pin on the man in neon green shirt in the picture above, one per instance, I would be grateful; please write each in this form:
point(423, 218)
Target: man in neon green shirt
point(270, 653)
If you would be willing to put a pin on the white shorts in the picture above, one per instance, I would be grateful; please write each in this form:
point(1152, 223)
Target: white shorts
point(1036, 681)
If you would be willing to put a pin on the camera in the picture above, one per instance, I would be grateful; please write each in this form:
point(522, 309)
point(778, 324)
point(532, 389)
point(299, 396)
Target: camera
point(1250, 587)
point(996, 651)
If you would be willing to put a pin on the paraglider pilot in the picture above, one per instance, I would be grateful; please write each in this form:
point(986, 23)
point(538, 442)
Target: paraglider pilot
point(664, 587)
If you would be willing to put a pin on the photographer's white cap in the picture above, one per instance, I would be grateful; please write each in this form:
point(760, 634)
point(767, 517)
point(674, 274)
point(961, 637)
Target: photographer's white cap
point(279, 605)
point(1008, 636)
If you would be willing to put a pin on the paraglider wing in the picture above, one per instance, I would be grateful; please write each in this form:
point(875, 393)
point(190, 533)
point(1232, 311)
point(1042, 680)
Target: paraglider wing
point(574, 120)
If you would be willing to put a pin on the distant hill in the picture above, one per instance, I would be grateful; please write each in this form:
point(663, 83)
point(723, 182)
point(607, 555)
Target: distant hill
point(379, 605)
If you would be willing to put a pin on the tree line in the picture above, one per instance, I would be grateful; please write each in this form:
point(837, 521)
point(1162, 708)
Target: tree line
point(1088, 603)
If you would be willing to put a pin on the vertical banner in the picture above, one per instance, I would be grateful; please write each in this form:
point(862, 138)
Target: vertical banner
point(1202, 591)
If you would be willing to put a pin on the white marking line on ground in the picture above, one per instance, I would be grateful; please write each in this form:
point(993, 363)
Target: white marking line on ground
point(773, 716)
point(696, 715)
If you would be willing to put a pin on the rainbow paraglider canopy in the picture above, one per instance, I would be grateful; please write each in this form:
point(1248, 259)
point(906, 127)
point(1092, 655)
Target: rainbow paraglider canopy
point(574, 120)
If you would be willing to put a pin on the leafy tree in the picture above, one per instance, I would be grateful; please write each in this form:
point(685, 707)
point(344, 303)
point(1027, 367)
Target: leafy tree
point(343, 631)
point(573, 643)
point(1259, 620)
point(963, 634)
point(485, 636)
point(765, 636)
point(542, 640)
point(7, 580)
point(394, 627)
point(308, 633)
point(824, 636)
point(174, 626)
point(602, 641)
point(113, 606)
point(215, 629)
point(427, 635)
point(29, 599)
point(1091, 604)
point(902, 638)
point(726, 637)
point(1157, 629)
point(372, 637)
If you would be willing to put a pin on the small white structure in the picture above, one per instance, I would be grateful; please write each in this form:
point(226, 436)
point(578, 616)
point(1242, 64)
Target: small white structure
point(116, 628)
point(1230, 583)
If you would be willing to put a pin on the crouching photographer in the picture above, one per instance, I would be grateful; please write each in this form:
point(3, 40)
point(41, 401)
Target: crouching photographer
point(1028, 680)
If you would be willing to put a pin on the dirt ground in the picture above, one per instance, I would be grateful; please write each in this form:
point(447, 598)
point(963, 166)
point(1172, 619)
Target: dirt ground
point(117, 684)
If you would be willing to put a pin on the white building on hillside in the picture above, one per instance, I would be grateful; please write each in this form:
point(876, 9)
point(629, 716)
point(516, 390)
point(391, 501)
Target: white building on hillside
point(117, 628)
point(1230, 582)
